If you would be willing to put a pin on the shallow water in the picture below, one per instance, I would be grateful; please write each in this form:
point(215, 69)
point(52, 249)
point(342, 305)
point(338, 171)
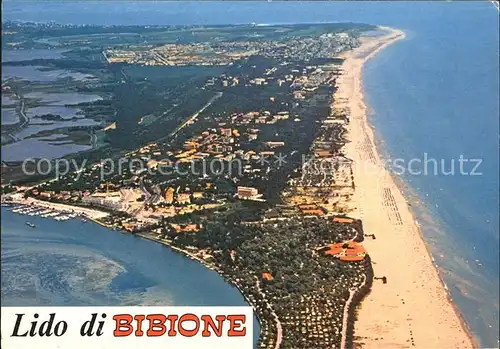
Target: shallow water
point(120, 267)
point(26, 55)
point(73, 263)
point(64, 112)
point(9, 116)
point(37, 148)
point(53, 103)
point(39, 74)
point(69, 98)
point(36, 125)
point(8, 100)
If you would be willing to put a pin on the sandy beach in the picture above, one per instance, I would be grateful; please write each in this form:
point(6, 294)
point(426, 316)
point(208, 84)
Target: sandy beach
point(413, 308)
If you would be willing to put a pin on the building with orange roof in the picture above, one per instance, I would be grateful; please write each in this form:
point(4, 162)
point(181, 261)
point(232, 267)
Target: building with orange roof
point(267, 276)
point(185, 154)
point(184, 199)
point(316, 212)
point(169, 195)
point(184, 229)
point(153, 164)
point(349, 251)
point(308, 206)
point(323, 153)
point(334, 250)
point(343, 220)
point(247, 192)
point(128, 226)
point(352, 258)
point(191, 145)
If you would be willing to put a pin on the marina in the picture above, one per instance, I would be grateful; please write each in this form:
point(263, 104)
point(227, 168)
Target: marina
point(44, 213)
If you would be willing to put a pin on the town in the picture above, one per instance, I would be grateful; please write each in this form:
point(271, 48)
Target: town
point(254, 183)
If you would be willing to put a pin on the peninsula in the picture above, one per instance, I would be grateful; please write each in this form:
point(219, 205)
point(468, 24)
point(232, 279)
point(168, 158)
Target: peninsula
point(262, 178)
point(414, 308)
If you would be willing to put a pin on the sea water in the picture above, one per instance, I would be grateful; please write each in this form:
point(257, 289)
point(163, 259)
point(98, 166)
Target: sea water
point(72, 263)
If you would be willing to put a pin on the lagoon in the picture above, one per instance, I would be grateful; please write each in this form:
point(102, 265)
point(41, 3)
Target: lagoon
point(40, 74)
point(27, 55)
point(9, 116)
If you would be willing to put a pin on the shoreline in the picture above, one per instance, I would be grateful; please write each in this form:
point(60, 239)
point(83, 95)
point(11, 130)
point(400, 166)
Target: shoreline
point(187, 254)
point(362, 127)
point(94, 215)
point(89, 213)
point(396, 314)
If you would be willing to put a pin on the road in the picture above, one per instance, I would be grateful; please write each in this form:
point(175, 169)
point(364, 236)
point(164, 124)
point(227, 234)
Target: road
point(195, 115)
point(93, 139)
point(279, 329)
point(352, 292)
point(23, 123)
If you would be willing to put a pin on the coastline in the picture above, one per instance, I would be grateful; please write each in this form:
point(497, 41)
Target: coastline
point(370, 207)
point(94, 215)
point(395, 314)
point(212, 267)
